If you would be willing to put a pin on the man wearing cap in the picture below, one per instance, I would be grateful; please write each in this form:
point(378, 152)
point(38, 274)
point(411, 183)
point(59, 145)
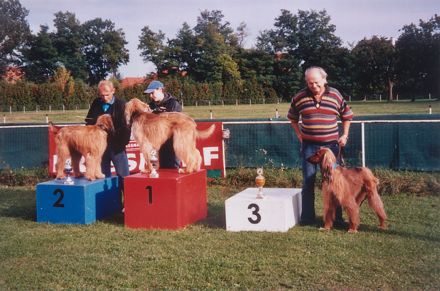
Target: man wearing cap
point(164, 102)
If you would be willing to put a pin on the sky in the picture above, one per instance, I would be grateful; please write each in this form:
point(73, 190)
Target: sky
point(354, 19)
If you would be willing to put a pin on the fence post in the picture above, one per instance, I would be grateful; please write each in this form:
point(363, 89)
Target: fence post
point(277, 115)
point(24, 109)
point(363, 142)
point(397, 97)
point(47, 118)
point(250, 101)
point(210, 114)
point(4, 118)
point(236, 102)
point(50, 108)
point(380, 97)
point(429, 109)
point(429, 96)
point(10, 109)
point(63, 108)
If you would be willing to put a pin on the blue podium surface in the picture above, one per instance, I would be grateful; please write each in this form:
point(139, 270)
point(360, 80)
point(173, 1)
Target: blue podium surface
point(84, 202)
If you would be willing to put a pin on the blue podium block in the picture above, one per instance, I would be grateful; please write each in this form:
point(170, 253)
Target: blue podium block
point(84, 202)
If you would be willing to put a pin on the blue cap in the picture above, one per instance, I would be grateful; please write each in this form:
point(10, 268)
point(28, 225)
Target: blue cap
point(153, 86)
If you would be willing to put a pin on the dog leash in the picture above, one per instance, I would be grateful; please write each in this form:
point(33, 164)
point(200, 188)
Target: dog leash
point(340, 158)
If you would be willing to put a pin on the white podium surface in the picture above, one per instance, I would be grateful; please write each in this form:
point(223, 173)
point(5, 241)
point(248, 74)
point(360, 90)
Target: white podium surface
point(279, 210)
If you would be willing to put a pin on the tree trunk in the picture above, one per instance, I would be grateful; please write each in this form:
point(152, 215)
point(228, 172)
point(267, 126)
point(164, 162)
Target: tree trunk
point(390, 90)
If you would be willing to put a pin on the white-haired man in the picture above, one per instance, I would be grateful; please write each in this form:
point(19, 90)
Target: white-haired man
point(319, 107)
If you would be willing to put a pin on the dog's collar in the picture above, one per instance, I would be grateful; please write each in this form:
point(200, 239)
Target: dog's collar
point(334, 166)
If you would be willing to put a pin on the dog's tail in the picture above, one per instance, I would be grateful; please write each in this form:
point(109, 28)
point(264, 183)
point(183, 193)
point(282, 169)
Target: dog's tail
point(203, 134)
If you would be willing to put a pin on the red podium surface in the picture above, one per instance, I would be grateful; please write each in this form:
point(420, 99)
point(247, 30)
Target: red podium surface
point(171, 201)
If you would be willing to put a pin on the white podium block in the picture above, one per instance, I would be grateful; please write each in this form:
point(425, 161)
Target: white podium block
point(279, 210)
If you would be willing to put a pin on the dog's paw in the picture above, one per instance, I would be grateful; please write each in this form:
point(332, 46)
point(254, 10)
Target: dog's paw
point(90, 178)
point(59, 177)
point(324, 229)
point(100, 176)
point(352, 230)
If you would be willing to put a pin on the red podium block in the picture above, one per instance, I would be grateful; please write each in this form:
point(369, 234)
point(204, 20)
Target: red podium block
point(171, 201)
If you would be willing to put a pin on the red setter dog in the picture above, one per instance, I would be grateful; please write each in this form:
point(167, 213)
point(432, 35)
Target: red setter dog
point(349, 188)
point(89, 141)
point(152, 130)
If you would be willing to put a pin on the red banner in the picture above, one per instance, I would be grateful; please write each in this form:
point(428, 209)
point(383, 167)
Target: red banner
point(211, 149)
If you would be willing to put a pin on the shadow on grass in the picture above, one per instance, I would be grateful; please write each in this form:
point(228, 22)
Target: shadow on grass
point(115, 219)
point(216, 217)
point(20, 212)
point(399, 233)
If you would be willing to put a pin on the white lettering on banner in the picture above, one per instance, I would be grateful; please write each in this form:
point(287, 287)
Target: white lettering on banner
point(141, 162)
point(209, 153)
point(132, 161)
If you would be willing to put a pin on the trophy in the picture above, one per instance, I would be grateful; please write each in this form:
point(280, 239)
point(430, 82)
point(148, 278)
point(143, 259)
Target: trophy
point(68, 170)
point(155, 163)
point(260, 181)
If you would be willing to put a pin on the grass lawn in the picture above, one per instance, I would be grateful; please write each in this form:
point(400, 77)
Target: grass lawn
point(106, 255)
point(240, 111)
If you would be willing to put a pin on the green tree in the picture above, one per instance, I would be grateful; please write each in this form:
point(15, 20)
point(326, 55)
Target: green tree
point(152, 47)
point(281, 42)
point(14, 31)
point(40, 57)
point(418, 58)
point(215, 46)
point(68, 41)
point(182, 49)
point(373, 61)
point(317, 42)
point(104, 48)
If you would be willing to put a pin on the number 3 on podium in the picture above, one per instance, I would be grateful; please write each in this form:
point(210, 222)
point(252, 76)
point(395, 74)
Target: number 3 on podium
point(255, 213)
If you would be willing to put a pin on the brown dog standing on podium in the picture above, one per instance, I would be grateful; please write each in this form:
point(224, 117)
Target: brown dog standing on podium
point(151, 130)
point(349, 188)
point(89, 141)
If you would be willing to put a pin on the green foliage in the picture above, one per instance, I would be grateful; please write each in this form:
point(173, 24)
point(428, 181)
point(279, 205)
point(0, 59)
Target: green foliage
point(105, 49)
point(40, 57)
point(208, 63)
point(418, 58)
point(373, 61)
point(390, 182)
point(14, 30)
point(23, 177)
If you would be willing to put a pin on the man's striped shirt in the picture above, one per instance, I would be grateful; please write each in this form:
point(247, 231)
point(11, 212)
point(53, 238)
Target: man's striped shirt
point(319, 120)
